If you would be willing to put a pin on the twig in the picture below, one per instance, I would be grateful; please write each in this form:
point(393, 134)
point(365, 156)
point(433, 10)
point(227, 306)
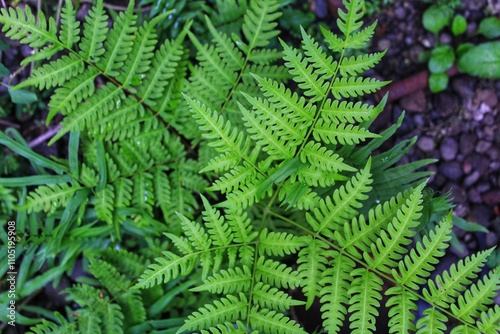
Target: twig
point(9, 124)
point(43, 137)
point(118, 7)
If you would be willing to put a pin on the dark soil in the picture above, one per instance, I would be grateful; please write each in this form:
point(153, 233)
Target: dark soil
point(459, 127)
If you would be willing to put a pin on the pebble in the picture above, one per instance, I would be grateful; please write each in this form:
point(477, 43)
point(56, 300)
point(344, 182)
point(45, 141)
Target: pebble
point(414, 102)
point(474, 4)
point(487, 96)
point(495, 166)
point(463, 86)
point(491, 240)
point(426, 144)
point(383, 44)
point(474, 196)
point(472, 178)
point(494, 154)
point(400, 13)
point(467, 166)
point(491, 197)
point(479, 112)
point(451, 170)
point(482, 146)
point(448, 149)
point(478, 162)
point(467, 143)
point(445, 38)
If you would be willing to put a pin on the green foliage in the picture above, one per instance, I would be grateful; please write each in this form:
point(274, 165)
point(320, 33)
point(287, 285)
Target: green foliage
point(481, 60)
point(301, 196)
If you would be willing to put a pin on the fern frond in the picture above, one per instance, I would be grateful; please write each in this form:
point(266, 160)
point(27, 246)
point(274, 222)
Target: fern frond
point(142, 192)
point(161, 71)
point(474, 300)
point(28, 29)
point(324, 159)
point(247, 195)
point(490, 320)
point(119, 42)
point(333, 212)
point(139, 59)
point(226, 328)
point(168, 267)
point(350, 19)
point(55, 74)
point(353, 66)
point(222, 163)
point(276, 274)
point(75, 90)
point(95, 31)
point(272, 298)
point(295, 107)
point(304, 74)
point(354, 87)
point(104, 204)
point(241, 226)
point(360, 233)
point(258, 24)
point(112, 319)
point(270, 321)
point(360, 39)
point(324, 64)
point(227, 309)
point(335, 282)
point(364, 301)
point(312, 264)
point(234, 179)
point(49, 327)
point(224, 46)
point(70, 27)
point(212, 66)
point(349, 112)
point(279, 243)
point(417, 265)
point(50, 197)
point(446, 287)
point(225, 137)
point(271, 130)
point(84, 115)
point(433, 321)
point(130, 300)
point(195, 233)
point(227, 281)
point(391, 244)
point(88, 323)
point(335, 132)
point(163, 192)
point(402, 306)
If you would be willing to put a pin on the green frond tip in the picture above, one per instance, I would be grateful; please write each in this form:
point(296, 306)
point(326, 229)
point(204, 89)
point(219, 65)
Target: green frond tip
point(349, 19)
point(19, 24)
point(333, 212)
point(167, 268)
point(270, 321)
point(227, 309)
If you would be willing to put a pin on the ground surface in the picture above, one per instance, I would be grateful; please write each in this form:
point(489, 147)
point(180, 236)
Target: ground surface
point(460, 126)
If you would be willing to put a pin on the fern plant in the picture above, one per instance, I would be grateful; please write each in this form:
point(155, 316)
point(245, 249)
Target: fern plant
point(301, 196)
point(296, 157)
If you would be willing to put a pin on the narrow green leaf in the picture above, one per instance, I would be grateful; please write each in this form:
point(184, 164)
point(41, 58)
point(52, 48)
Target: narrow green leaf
point(33, 157)
point(284, 171)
